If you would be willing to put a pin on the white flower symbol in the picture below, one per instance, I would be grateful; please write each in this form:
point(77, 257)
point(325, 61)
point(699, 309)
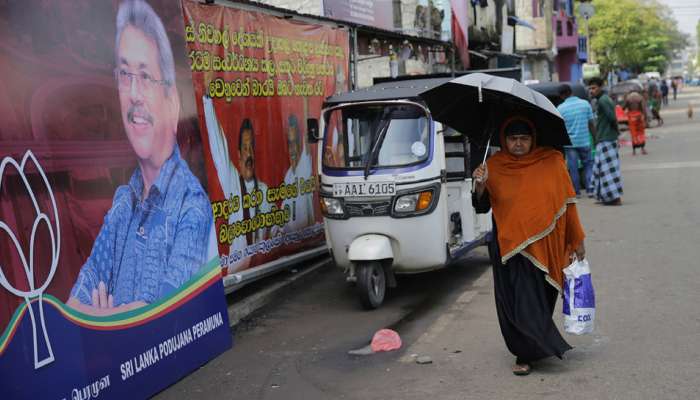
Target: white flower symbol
point(28, 262)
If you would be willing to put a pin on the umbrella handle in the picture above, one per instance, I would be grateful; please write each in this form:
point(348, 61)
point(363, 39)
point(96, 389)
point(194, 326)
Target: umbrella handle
point(486, 153)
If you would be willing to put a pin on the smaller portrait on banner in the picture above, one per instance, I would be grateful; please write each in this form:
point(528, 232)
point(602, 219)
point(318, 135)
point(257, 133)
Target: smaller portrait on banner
point(298, 174)
point(245, 191)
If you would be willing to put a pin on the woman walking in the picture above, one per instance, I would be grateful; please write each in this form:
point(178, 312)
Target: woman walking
point(636, 120)
point(537, 233)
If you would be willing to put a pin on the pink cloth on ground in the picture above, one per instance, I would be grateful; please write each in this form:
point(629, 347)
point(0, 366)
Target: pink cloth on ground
point(386, 340)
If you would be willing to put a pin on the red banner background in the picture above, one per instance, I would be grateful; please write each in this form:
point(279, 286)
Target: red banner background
point(230, 50)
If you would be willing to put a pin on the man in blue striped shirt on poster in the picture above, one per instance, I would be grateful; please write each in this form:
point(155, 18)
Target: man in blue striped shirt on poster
point(159, 231)
point(580, 124)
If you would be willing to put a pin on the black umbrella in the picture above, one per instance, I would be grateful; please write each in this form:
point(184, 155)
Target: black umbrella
point(476, 104)
point(625, 87)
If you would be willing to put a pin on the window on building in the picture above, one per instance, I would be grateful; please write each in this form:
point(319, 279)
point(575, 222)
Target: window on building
point(569, 28)
point(538, 8)
point(559, 29)
point(397, 14)
point(563, 6)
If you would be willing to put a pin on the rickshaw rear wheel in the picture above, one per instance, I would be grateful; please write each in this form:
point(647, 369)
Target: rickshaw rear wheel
point(371, 284)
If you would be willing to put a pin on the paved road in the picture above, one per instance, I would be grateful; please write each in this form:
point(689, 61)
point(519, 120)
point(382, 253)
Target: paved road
point(644, 257)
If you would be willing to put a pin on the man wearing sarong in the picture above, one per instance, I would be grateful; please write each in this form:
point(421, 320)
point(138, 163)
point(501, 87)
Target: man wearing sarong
point(606, 179)
point(536, 232)
point(635, 107)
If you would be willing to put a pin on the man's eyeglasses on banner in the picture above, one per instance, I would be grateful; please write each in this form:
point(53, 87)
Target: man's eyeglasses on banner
point(144, 81)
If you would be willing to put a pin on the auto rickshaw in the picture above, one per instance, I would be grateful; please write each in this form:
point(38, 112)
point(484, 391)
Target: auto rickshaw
point(395, 186)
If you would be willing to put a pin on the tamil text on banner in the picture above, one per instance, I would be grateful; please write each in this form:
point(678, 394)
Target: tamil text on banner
point(257, 79)
point(110, 285)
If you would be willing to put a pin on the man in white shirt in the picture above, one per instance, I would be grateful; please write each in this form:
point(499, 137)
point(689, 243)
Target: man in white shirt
point(300, 167)
point(234, 183)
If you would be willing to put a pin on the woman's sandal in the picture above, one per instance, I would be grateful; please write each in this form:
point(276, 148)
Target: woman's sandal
point(522, 369)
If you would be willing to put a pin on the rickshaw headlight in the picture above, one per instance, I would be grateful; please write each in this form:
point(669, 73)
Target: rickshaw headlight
point(414, 202)
point(406, 203)
point(332, 206)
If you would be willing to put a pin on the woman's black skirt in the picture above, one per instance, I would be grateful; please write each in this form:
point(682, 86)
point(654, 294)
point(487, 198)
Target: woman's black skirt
point(525, 302)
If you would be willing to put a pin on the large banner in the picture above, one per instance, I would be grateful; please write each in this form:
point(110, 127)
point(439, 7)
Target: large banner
point(110, 285)
point(257, 79)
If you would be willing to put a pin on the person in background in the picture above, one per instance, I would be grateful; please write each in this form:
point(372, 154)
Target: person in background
point(579, 120)
point(636, 119)
point(674, 87)
point(537, 234)
point(664, 92)
point(606, 178)
point(655, 106)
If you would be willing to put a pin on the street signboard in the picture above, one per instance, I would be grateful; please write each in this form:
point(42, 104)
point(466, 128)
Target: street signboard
point(591, 71)
point(587, 10)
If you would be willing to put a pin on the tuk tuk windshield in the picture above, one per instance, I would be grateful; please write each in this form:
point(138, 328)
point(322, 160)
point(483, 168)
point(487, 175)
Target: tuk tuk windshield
point(378, 136)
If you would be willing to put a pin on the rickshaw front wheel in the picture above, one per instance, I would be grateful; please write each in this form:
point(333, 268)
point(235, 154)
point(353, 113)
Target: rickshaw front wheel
point(371, 284)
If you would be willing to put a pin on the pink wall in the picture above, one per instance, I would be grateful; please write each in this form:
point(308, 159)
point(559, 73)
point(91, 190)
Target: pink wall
point(569, 31)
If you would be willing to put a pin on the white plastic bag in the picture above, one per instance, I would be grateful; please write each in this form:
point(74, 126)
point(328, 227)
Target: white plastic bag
point(579, 298)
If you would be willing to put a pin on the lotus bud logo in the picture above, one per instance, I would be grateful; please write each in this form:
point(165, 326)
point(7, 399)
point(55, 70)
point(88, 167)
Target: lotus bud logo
point(35, 292)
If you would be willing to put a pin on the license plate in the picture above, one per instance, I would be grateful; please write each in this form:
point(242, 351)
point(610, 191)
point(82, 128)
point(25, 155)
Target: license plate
point(364, 189)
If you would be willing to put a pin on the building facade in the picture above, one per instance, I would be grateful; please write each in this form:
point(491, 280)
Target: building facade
point(550, 43)
point(390, 38)
point(567, 64)
point(534, 39)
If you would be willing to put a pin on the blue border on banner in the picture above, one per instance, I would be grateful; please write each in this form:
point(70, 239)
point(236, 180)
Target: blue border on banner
point(112, 364)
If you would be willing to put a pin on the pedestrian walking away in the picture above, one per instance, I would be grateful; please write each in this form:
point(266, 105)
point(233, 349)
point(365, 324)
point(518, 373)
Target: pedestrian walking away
point(536, 233)
point(655, 106)
point(674, 86)
point(606, 178)
point(579, 120)
point(636, 120)
point(664, 92)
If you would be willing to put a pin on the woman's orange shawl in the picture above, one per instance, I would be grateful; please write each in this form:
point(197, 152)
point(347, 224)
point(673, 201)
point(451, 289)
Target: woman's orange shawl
point(534, 205)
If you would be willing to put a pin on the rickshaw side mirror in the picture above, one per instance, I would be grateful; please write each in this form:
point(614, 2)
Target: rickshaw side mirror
point(312, 132)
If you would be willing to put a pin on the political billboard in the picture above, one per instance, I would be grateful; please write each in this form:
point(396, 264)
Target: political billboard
point(110, 279)
point(257, 78)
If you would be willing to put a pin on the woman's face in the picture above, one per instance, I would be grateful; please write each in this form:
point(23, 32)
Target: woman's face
point(519, 145)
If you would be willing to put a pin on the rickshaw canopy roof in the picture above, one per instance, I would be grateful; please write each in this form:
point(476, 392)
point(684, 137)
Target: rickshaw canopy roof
point(395, 90)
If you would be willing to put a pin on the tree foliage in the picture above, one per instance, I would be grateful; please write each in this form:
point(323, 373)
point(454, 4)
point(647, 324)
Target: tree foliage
point(640, 35)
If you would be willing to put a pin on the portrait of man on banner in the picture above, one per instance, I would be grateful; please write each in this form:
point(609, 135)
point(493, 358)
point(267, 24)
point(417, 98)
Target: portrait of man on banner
point(237, 181)
point(159, 231)
point(300, 171)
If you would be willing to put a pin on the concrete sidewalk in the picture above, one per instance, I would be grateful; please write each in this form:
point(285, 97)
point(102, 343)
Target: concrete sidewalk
point(245, 301)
